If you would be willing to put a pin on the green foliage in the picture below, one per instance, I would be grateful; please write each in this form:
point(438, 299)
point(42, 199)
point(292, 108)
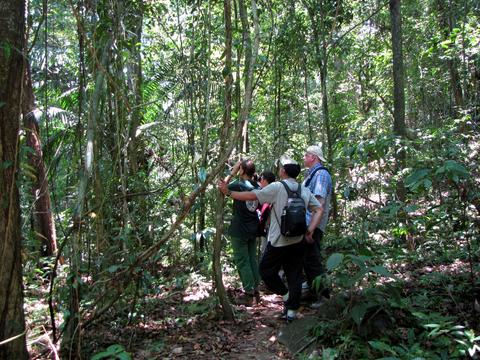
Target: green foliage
point(453, 171)
point(6, 49)
point(359, 267)
point(159, 114)
point(422, 179)
point(6, 164)
point(113, 352)
point(419, 179)
point(394, 329)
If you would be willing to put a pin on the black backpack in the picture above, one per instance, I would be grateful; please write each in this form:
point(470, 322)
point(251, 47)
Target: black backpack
point(293, 222)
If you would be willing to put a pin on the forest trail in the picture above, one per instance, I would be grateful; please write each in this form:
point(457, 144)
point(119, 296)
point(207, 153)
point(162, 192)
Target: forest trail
point(184, 324)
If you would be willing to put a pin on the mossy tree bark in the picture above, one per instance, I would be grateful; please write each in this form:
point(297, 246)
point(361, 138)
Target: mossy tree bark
point(12, 66)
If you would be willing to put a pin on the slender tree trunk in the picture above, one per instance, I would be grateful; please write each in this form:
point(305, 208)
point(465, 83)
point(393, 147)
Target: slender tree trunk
point(447, 24)
point(278, 129)
point(399, 127)
point(204, 126)
point(42, 215)
point(12, 69)
point(247, 46)
point(237, 86)
point(398, 70)
point(307, 103)
point(71, 344)
point(136, 151)
point(227, 120)
point(322, 61)
point(82, 73)
point(247, 99)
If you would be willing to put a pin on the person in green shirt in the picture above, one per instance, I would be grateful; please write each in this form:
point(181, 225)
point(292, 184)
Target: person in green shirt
point(243, 231)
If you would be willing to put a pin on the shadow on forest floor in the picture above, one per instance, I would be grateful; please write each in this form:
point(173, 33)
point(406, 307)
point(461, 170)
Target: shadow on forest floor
point(184, 322)
point(181, 319)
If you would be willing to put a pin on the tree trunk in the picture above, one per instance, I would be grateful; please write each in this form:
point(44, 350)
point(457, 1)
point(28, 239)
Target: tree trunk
point(250, 60)
point(136, 149)
point(43, 217)
point(247, 45)
point(278, 130)
point(307, 103)
point(204, 126)
point(227, 120)
point(447, 24)
point(12, 321)
point(237, 86)
point(321, 59)
point(399, 128)
point(71, 342)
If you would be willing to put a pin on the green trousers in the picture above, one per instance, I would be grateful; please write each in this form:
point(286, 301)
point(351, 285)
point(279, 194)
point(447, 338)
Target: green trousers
point(245, 258)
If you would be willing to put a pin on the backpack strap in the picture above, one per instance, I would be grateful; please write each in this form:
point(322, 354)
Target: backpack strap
point(290, 193)
point(310, 177)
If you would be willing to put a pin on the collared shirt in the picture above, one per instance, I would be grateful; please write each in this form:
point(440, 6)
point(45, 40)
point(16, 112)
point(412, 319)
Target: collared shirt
point(320, 185)
point(276, 195)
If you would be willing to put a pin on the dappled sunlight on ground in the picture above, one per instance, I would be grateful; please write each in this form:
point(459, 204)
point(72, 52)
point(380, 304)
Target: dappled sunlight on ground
point(186, 323)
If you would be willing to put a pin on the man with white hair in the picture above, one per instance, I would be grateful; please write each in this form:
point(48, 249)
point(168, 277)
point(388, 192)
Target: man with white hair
point(319, 182)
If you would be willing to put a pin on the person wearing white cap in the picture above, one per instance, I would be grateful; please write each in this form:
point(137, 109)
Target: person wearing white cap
point(281, 251)
point(319, 182)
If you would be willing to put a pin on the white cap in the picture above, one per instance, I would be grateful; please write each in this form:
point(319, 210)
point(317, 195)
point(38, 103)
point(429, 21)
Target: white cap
point(317, 151)
point(285, 159)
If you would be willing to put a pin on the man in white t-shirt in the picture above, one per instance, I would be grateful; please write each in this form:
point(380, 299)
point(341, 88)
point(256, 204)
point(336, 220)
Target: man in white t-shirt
point(282, 252)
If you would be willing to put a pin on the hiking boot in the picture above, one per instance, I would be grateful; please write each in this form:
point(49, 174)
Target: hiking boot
point(318, 304)
point(257, 297)
point(245, 299)
point(321, 299)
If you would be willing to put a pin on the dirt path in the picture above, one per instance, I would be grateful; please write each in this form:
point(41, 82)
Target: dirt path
point(185, 325)
point(252, 336)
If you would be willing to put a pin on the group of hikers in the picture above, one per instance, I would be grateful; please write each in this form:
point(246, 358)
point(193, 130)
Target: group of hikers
point(292, 244)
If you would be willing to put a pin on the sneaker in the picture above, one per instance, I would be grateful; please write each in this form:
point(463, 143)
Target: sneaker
point(288, 315)
point(321, 299)
point(291, 315)
point(318, 304)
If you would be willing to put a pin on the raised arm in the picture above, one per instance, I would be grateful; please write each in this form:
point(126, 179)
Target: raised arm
point(233, 171)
